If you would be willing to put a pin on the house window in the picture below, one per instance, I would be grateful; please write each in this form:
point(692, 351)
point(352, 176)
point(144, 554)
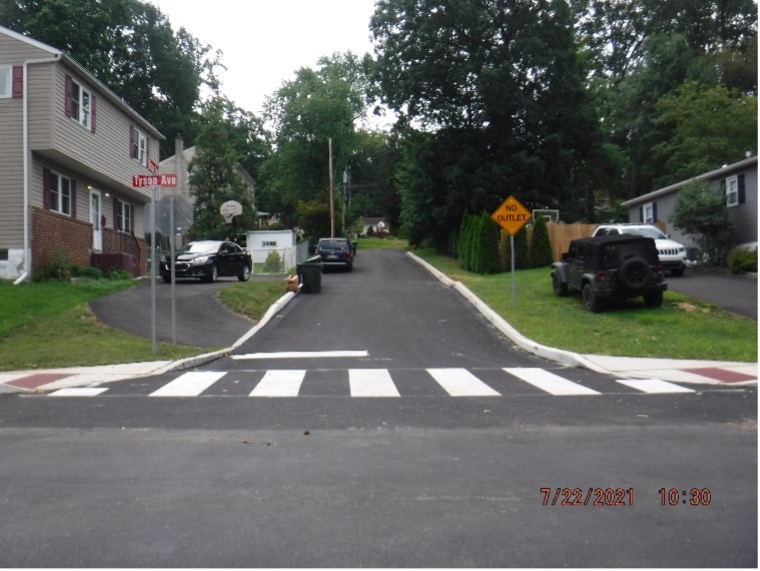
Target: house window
point(125, 220)
point(139, 146)
point(80, 104)
point(60, 193)
point(732, 191)
point(5, 81)
point(648, 217)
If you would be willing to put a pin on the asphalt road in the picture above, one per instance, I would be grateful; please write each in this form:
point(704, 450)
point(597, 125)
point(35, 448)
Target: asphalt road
point(422, 479)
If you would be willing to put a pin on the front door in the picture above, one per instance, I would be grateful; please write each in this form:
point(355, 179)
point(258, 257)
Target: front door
point(95, 214)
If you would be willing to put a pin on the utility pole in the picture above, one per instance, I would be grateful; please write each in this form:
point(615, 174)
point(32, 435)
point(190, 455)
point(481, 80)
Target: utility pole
point(332, 192)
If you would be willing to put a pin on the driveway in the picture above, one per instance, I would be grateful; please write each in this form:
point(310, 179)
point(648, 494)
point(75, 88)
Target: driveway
point(201, 320)
point(735, 293)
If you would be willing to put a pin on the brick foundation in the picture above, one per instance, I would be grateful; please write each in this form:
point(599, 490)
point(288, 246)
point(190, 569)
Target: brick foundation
point(56, 237)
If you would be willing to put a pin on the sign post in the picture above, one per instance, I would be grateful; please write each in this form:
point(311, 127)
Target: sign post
point(511, 216)
point(155, 181)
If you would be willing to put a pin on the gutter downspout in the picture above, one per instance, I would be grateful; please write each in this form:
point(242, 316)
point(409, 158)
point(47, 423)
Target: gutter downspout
point(26, 162)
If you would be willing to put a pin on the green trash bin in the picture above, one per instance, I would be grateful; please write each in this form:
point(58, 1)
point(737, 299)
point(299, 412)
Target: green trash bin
point(310, 275)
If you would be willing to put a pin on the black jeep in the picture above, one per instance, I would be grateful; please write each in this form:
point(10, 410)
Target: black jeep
point(611, 268)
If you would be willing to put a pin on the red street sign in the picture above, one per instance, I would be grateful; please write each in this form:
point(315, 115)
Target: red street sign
point(153, 166)
point(139, 180)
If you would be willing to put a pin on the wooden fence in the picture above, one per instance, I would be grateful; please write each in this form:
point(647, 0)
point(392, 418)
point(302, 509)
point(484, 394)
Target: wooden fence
point(559, 236)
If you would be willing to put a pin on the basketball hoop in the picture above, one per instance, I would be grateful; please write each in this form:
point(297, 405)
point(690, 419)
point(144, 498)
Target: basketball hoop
point(230, 209)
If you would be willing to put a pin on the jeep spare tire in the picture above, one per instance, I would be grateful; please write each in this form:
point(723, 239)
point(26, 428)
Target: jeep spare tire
point(634, 273)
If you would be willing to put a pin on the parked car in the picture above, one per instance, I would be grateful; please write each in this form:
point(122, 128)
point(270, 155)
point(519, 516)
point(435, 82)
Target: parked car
point(672, 254)
point(336, 252)
point(208, 260)
point(615, 267)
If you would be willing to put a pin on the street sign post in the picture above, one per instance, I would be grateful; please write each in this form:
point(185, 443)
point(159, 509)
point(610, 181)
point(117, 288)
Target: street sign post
point(154, 181)
point(511, 216)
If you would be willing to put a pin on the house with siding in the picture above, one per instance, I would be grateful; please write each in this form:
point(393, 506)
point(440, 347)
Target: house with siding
point(184, 200)
point(68, 152)
point(738, 181)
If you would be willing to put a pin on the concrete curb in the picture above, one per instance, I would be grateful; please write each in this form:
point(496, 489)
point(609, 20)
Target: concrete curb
point(560, 356)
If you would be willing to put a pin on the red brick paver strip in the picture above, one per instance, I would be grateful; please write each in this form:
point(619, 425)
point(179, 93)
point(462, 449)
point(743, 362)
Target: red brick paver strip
point(722, 374)
point(34, 381)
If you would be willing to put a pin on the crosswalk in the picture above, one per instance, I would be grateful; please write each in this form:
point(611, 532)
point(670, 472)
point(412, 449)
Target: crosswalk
point(380, 383)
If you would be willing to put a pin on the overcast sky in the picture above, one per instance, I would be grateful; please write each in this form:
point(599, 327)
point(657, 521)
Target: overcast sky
point(266, 41)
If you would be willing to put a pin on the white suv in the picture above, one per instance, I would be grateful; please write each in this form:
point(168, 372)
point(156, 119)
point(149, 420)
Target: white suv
point(672, 254)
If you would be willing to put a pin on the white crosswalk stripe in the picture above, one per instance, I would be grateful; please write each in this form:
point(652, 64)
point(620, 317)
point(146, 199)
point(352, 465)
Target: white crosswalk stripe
point(379, 383)
point(188, 385)
point(654, 386)
point(549, 382)
point(281, 383)
point(371, 383)
point(462, 383)
point(79, 392)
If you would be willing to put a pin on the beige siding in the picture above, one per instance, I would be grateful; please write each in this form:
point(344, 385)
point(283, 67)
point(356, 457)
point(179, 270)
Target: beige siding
point(13, 52)
point(107, 150)
point(11, 175)
point(16, 52)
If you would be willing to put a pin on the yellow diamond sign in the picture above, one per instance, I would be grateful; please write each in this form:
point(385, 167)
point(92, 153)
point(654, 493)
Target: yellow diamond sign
point(511, 215)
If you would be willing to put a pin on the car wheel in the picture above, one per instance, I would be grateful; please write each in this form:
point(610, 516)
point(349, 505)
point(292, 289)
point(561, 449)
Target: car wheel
point(590, 299)
point(167, 279)
point(634, 273)
point(653, 299)
point(560, 287)
point(213, 274)
point(243, 277)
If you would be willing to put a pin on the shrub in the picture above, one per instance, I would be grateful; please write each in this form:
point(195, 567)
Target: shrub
point(541, 247)
point(743, 261)
point(273, 264)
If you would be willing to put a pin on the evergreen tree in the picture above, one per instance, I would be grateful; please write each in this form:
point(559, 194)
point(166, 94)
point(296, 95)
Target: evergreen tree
point(540, 247)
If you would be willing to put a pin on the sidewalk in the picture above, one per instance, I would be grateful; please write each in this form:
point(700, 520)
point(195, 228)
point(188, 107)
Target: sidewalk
point(673, 370)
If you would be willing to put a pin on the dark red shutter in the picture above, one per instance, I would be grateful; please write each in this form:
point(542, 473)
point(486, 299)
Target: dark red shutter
point(73, 188)
point(132, 219)
point(18, 80)
point(46, 188)
point(742, 193)
point(147, 151)
point(116, 214)
point(93, 106)
point(131, 141)
point(67, 95)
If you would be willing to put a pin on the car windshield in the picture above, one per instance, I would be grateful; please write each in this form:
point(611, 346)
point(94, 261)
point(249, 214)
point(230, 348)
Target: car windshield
point(333, 244)
point(647, 232)
point(200, 248)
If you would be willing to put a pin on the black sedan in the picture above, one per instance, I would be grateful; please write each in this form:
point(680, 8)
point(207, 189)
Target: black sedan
point(208, 260)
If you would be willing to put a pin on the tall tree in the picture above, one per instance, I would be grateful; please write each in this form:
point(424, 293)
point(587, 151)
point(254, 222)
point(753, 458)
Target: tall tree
point(215, 179)
point(503, 84)
point(308, 111)
point(711, 126)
